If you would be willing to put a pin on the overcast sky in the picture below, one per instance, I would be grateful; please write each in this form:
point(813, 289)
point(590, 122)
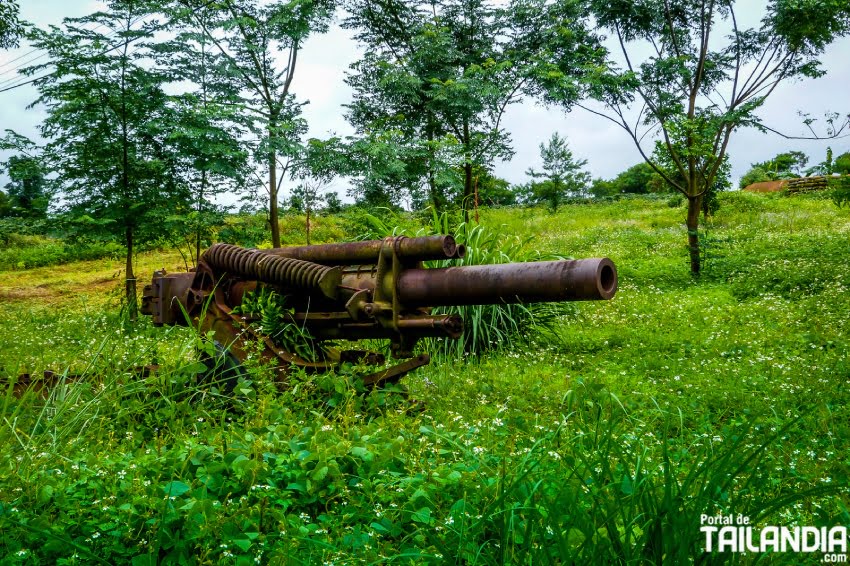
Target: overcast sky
point(325, 59)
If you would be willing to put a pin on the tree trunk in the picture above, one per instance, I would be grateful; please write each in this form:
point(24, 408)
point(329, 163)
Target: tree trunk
point(198, 219)
point(436, 200)
point(475, 191)
point(273, 213)
point(432, 187)
point(467, 189)
point(130, 277)
point(467, 170)
point(694, 206)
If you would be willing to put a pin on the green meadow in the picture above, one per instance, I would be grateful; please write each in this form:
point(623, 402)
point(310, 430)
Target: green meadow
point(598, 433)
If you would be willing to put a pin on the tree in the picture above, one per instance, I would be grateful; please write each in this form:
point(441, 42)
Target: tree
point(754, 175)
point(210, 159)
point(249, 35)
point(562, 175)
point(825, 167)
point(5, 205)
point(437, 78)
point(842, 164)
point(700, 82)
point(385, 169)
point(11, 27)
point(789, 163)
point(637, 179)
point(493, 191)
point(840, 185)
point(105, 117)
point(28, 190)
point(640, 178)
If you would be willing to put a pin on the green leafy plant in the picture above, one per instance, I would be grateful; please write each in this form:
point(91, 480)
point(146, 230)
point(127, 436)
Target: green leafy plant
point(276, 320)
point(840, 190)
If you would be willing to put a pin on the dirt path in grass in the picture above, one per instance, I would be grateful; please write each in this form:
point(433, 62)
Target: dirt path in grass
point(84, 282)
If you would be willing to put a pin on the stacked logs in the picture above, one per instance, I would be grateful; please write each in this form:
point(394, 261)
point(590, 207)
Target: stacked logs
point(806, 184)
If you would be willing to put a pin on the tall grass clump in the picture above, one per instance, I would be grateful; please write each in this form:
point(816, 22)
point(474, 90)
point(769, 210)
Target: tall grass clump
point(26, 252)
point(497, 326)
point(486, 327)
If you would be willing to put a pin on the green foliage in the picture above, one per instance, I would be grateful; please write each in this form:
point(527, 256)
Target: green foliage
point(754, 175)
point(272, 317)
point(637, 179)
point(209, 158)
point(5, 204)
point(248, 34)
point(375, 223)
point(11, 28)
point(842, 164)
point(28, 189)
point(825, 167)
point(433, 85)
point(840, 190)
point(245, 229)
point(787, 165)
point(107, 124)
point(27, 252)
point(493, 190)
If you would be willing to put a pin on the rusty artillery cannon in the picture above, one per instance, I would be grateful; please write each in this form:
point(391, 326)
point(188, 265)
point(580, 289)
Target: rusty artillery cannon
point(375, 289)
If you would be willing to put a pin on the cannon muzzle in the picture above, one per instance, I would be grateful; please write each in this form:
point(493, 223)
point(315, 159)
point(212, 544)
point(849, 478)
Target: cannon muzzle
point(542, 281)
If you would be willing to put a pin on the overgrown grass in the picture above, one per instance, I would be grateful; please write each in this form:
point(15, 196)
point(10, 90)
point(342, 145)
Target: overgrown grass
point(605, 445)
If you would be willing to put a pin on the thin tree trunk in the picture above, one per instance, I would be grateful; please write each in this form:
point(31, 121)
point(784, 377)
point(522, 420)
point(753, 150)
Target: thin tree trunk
point(273, 212)
point(467, 171)
point(432, 181)
point(694, 205)
point(467, 189)
point(130, 280)
point(476, 200)
point(198, 220)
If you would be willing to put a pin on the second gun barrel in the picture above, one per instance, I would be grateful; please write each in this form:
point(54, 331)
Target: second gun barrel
point(422, 248)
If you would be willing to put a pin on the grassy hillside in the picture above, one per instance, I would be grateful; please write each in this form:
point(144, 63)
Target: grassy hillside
point(604, 443)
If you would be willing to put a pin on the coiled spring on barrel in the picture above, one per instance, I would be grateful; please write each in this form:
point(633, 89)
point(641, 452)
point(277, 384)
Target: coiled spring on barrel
point(254, 264)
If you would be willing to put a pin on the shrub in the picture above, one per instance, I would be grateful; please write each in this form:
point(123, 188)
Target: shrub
point(25, 252)
point(754, 175)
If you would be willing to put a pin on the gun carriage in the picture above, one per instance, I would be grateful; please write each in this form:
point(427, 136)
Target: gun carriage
point(378, 289)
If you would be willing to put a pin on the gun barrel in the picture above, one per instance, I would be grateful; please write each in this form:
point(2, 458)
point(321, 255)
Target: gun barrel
point(422, 248)
point(543, 281)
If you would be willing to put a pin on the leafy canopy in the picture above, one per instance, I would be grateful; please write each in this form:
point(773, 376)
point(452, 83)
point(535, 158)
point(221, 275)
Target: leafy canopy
point(686, 76)
point(11, 28)
point(436, 80)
